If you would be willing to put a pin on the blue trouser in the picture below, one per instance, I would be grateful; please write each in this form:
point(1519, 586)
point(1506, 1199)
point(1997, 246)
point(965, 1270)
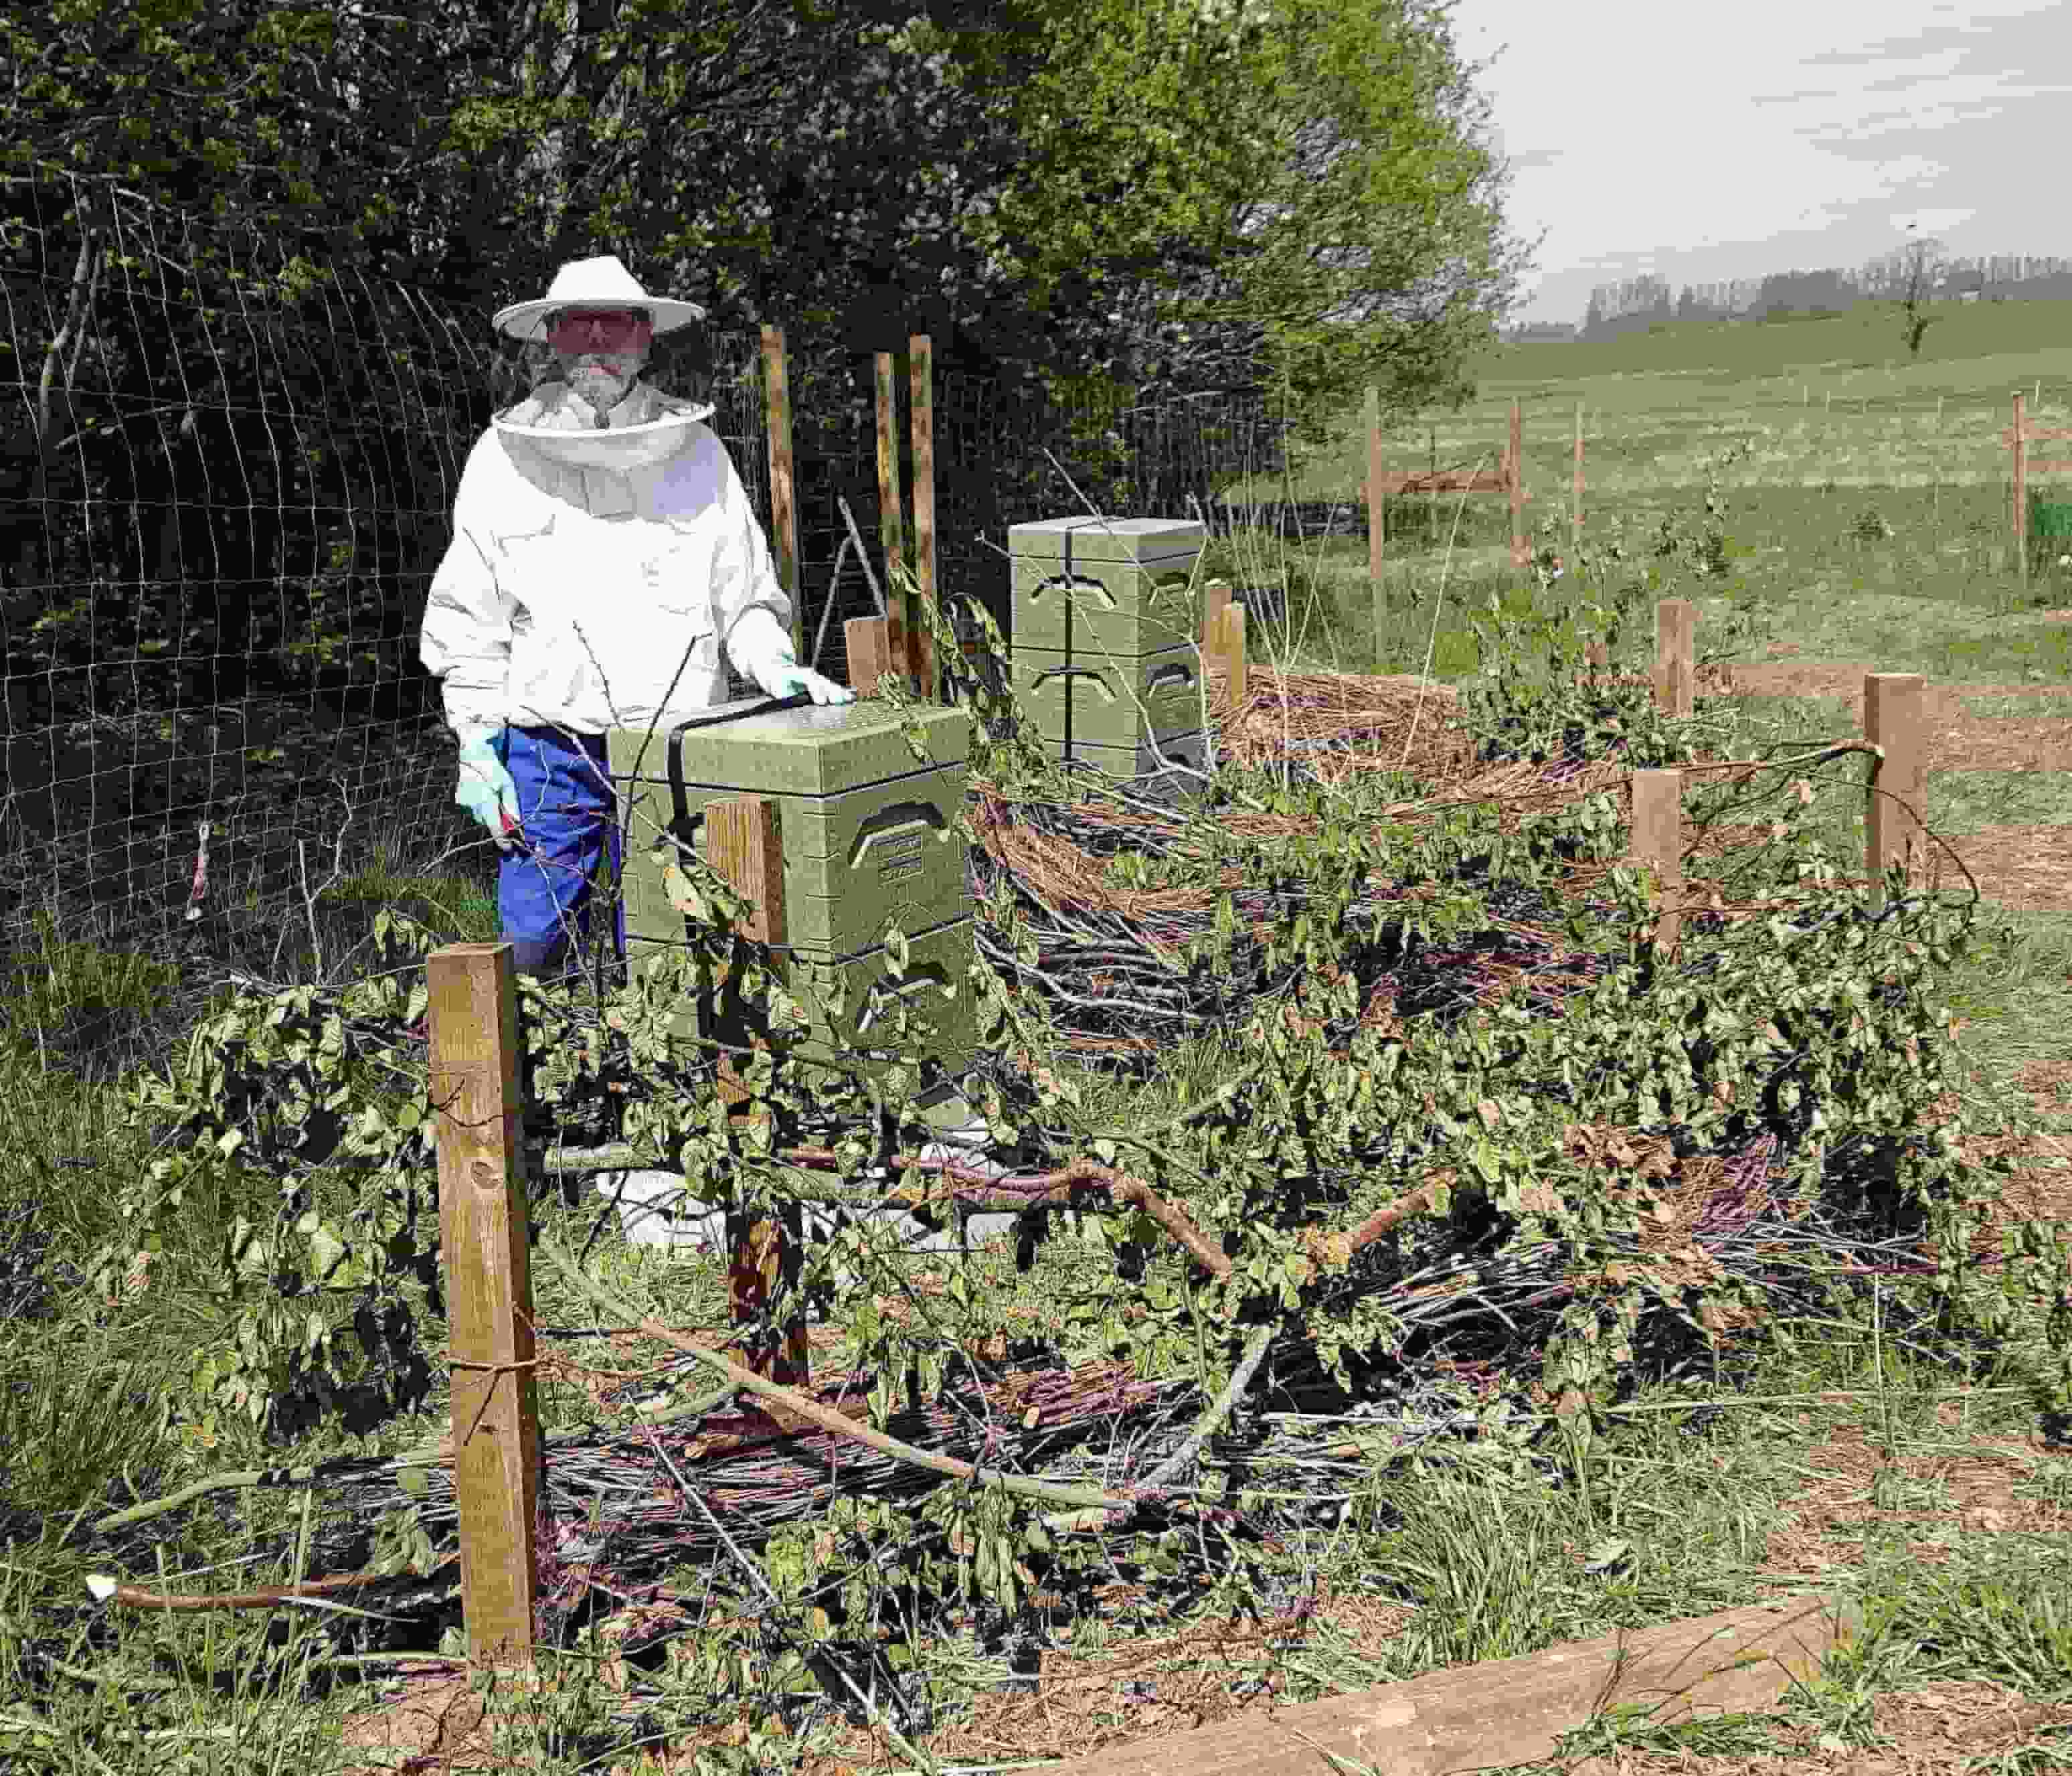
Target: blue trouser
point(567, 816)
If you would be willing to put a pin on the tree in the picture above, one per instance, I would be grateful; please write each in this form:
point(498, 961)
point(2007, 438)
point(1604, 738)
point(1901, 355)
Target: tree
point(1132, 193)
point(1143, 190)
point(1784, 293)
point(1917, 264)
point(470, 146)
point(1298, 187)
point(1113, 165)
point(1405, 191)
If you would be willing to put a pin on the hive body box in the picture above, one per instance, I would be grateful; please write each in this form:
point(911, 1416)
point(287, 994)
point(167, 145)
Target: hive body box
point(1105, 638)
point(867, 833)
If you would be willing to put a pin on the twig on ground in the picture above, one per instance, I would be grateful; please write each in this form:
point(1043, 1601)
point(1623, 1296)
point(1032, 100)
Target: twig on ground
point(876, 1716)
point(1205, 1428)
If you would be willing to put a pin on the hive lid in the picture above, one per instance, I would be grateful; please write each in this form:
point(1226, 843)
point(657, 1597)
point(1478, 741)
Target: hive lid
point(817, 749)
point(1104, 539)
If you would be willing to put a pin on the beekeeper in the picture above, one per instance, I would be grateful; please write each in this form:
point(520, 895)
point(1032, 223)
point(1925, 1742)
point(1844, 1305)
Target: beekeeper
point(604, 552)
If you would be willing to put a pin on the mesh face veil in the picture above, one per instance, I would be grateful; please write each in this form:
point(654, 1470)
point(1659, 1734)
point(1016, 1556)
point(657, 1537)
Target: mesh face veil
point(599, 329)
point(601, 352)
point(599, 372)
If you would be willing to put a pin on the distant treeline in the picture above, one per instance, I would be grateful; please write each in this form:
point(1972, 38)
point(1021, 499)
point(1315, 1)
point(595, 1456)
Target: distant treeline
point(1646, 301)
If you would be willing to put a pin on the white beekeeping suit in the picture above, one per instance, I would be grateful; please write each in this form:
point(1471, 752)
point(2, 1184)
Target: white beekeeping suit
point(604, 553)
point(593, 551)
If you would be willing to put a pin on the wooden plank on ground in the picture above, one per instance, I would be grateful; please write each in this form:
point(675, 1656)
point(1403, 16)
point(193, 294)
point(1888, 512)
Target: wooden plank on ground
point(1511, 1711)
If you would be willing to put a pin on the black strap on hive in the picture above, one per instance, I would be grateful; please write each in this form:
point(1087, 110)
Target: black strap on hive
point(679, 813)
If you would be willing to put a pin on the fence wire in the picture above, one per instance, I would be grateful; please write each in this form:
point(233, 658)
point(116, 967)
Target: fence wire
point(229, 468)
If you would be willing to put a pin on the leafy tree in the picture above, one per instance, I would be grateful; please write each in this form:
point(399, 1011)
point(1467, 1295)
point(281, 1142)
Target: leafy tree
point(1145, 194)
point(1292, 190)
point(472, 147)
point(1145, 191)
point(1825, 292)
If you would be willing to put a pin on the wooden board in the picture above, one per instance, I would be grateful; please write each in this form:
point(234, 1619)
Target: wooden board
point(1511, 1710)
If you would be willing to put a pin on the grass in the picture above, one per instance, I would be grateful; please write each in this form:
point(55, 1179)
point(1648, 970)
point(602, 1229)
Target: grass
point(1678, 1515)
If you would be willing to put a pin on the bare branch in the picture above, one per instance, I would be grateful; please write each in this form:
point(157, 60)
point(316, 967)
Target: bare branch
point(86, 278)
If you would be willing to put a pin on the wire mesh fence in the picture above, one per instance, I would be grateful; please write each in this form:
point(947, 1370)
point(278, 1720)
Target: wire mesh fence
point(230, 474)
point(222, 475)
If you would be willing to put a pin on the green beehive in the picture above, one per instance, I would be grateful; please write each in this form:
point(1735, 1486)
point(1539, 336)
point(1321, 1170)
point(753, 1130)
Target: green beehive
point(1084, 700)
point(1116, 587)
point(867, 833)
point(941, 1024)
point(1140, 762)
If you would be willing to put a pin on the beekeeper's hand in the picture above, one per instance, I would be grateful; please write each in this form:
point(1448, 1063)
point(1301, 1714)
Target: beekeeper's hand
point(485, 789)
point(788, 678)
point(762, 650)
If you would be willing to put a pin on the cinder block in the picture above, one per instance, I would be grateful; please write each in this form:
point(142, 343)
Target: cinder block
point(657, 1209)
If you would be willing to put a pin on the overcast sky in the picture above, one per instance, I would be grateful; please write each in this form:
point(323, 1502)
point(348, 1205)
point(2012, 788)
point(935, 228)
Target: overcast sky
point(1702, 142)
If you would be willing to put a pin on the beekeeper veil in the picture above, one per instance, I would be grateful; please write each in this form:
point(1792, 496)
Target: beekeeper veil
point(599, 395)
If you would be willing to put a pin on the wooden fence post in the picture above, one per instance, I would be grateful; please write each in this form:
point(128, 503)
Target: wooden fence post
point(1899, 782)
point(783, 503)
point(1520, 553)
point(472, 1032)
point(868, 641)
point(1657, 842)
point(2021, 492)
point(1675, 681)
point(1226, 647)
point(2018, 437)
point(891, 518)
point(1377, 537)
point(1217, 595)
point(922, 405)
point(742, 844)
point(1576, 521)
point(1432, 501)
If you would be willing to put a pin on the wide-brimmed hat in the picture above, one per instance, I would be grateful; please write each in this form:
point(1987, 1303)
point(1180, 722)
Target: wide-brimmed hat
point(594, 283)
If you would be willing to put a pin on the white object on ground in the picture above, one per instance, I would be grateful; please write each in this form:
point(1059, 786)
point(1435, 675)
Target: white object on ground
point(656, 1210)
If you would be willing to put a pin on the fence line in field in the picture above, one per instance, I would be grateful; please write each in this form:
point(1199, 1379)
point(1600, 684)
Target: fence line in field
point(234, 479)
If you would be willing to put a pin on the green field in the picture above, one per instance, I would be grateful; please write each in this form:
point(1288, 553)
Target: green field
point(1845, 482)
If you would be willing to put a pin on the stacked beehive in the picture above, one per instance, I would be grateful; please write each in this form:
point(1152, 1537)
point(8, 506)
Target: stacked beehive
point(1106, 629)
point(867, 837)
point(1105, 647)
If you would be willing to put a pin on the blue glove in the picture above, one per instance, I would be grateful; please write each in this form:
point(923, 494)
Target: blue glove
point(487, 791)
